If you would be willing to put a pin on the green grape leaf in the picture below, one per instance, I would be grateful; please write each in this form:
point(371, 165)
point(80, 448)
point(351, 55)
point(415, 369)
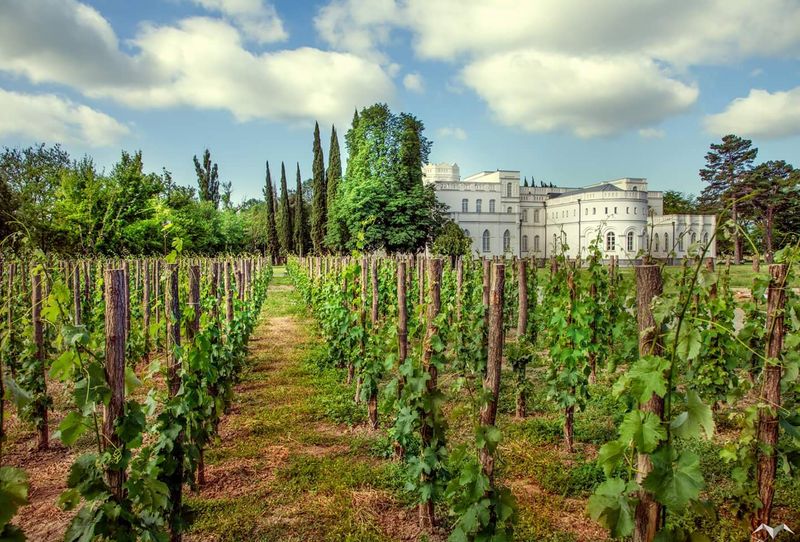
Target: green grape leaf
point(71, 428)
point(13, 493)
point(610, 455)
point(612, 507)
point(695, 419)
point(676, 478)
point(644, 429)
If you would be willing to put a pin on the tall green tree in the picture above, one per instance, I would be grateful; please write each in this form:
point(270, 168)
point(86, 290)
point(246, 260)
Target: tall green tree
point(273, 245)
point(727, 166)
point(775, 184)
point(207, 179)
point(300, 236)
point(285, 230)
point(318, 206)
point(333, 178)
point(678, 203)
point(382, 200)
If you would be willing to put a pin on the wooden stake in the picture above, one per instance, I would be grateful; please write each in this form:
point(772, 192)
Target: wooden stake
point(491, 381)
point(648, 285)
point(114, 366)
point(38, 340)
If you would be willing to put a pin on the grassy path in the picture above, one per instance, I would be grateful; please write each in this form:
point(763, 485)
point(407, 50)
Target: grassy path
point(280, 470)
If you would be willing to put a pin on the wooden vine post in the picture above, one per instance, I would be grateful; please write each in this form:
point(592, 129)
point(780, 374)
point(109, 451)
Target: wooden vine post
point(426, 514)
point(194, 302)
point(362, 318)
point(522, 317)
point(649, 284)
point(174, 381)
point(569, 412)
point(76, 294)
point(372, 403)
point(146, 305)
point(38, 340)
point(459, 286)
point(2, 374)
point(228, 295)
point(491, 381)
point(116, 311)
point(770, 399)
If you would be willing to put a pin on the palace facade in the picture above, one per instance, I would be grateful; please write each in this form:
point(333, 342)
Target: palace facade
point(504, 218)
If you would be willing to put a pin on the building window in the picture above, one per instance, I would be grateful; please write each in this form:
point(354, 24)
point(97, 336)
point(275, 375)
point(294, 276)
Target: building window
point(705, 238)
point(555, 243)
point(491, 205)
point(465, 205)
point(627, 210)
point(536, 243)
point(536, 216)
point(486, 245)
point(630, 241)
point(587, 212)
point(611, 241)
point(694, 237)
point(606, 210)
point(680, 243)
point(524, 215)
point(478, 204)
point(666, 242)
point(510, 210)
point(615, 210)
point(508, 190)
point(594, 210)
point(506, 241)
point(466, 232)
point(524, 243)
point(636, 210)
point(656, 240)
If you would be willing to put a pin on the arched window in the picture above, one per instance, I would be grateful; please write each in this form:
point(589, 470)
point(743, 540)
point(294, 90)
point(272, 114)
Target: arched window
point(486, 245)
point(465, 205)
point(586, 212)
point(594, 210)
point(627, 210)
point(478, 203)
point(491, 205)
point(555, 243)
point(524, 243)
point(630, 241)
point(524, 215)
point(666, 242)
point(656, 240)
point(466, 232)
point(508, 190)
point(694, 237)
point(536, 243)
point(506, 241)
point(680, 243)
point(510, 210)
point(611, 241)
point(636, 210)
point(705, 238)
point(536, 216)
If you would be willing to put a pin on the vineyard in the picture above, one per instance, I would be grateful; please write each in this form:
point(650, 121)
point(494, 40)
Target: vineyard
point(397, 398)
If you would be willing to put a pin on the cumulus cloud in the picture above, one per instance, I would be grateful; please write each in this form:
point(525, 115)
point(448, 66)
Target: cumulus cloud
point(760, 114)
point(52, 118)
point(661, 36)
point(589, 96)
point(452, 132)
point(257, 19)
point(198, 62)
point(651, 133)
point(414, 83)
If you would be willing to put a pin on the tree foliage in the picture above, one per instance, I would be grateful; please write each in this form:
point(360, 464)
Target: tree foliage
point(318, 206)
point(207, 179)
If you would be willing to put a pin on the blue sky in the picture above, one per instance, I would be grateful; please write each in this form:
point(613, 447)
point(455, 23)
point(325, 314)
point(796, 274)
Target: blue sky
point(563, 90)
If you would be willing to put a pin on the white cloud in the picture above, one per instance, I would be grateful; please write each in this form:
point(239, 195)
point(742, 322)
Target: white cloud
point(663, 36)
point(414, 83)
point(651, 133)
point(48, 117)
point(760, 114)
point(453, 132)
point(199, 62)
point(589, 96)
point(257, 19)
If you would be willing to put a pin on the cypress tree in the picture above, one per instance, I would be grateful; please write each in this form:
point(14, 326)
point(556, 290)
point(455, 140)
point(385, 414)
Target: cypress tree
point(285, 229)
point(272, 231)
point(299, 217)
point(318, 210)
point(333, 178)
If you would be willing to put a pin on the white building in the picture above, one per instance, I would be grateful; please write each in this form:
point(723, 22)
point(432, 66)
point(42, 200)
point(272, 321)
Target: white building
point(502, 217)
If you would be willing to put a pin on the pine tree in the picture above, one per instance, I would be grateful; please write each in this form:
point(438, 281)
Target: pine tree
point(727, 164)
point(526, 182)
point(776, 185)
point(272, 231)
point(299, 217)
point(318, 188)
point(285, 230)
point(207, 179)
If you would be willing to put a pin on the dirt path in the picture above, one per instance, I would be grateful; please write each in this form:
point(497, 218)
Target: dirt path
point(279, 470)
